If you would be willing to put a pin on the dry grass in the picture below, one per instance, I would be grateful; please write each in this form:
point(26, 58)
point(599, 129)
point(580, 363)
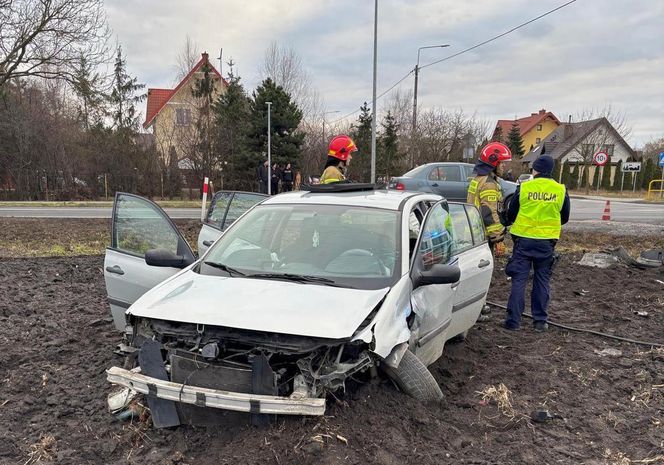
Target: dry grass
point(501, 396)
point(619, 458)
point(42, 450)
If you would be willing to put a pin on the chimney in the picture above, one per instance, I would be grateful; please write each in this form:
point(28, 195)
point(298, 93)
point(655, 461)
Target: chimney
point(567, 130)
point(205, 56)
point(542, 111)
point(569, 120)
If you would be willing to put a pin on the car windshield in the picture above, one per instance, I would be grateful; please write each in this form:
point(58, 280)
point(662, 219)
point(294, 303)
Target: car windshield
point(354, 247)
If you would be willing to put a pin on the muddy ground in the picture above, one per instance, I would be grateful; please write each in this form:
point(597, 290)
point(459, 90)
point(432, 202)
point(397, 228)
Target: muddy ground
point(57, 340)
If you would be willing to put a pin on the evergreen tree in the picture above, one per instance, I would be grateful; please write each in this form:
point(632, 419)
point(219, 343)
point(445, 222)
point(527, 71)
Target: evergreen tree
point(231, 118)
point(617, 179)
point(200, 152)
point(86, 84)
point(606, 175)
point(123, 95)
point(514, 141)
point(650, 173)
point(596, 175)
point(361, 166)
point(628, 182)
point(566, 176)
point(584, 177)
point(556, 170)
point(173, 175)
point(575, 177)
point(285, 119)
point(388, 156)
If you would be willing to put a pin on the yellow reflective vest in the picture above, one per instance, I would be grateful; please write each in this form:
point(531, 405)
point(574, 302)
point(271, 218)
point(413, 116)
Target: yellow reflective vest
point(540, 202)
point(332, 174)
point(484, 192)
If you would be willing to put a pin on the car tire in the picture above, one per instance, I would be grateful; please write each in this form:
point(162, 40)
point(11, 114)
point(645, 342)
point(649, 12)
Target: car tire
point(415, 379)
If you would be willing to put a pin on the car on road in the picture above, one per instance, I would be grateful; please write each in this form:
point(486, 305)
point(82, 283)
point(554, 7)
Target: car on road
point(302, 292)
point(448, 179)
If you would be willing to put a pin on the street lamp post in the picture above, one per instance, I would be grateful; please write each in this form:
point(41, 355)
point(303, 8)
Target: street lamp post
point(269, 148)
point(373, 100)
point(417, 73)
point(469, 143)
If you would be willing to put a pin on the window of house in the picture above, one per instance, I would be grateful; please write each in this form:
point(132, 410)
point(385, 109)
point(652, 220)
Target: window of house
point(608, 149)
point(538, 140)
point(539, 127)
point(182, 116)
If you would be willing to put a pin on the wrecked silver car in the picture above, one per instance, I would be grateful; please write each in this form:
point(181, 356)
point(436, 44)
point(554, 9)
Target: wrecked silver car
point(304, 291)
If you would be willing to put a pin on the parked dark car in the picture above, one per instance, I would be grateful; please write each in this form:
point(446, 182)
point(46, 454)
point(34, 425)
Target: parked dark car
point(449, 179)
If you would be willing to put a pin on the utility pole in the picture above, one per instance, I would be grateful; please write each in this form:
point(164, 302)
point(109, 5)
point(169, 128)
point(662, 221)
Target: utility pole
point(221, 52)
point(417, 73)
point(269, 149)
point(373, 104)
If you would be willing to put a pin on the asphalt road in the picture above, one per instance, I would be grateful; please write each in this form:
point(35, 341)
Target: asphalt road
point(582, 209)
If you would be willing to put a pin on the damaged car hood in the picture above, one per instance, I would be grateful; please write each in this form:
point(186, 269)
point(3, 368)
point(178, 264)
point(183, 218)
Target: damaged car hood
point(259, 305)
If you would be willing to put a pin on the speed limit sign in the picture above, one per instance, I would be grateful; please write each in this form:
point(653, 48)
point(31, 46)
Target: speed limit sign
point(600, 158)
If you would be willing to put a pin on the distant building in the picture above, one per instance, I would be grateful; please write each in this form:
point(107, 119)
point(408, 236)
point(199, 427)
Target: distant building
point(533, 128)
point(171, 114)
point(578, 142)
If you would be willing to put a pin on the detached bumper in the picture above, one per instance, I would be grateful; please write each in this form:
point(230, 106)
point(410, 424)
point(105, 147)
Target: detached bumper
point(203, 397)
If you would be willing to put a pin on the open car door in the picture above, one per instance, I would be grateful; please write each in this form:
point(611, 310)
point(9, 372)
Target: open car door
point(139, 225)
point(225, 208)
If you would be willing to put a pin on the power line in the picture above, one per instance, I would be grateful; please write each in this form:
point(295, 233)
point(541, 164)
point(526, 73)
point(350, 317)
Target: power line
point(499, 35)
point(461, 53)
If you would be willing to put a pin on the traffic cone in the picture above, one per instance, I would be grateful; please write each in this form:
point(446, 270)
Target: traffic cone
point(607, 211)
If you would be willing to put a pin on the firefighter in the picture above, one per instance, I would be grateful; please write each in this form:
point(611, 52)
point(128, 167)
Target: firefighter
point(484, 192)
point(338, 157)
point(536, 213)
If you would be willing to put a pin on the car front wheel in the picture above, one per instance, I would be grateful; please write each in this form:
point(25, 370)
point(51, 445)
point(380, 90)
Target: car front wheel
point(415, 379)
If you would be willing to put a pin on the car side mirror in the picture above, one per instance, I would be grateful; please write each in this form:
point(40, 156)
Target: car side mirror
point(437, 274)
point(165, 258)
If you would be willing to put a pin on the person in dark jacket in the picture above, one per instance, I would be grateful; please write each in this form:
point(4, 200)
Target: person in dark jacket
point(287, 178)
point(276, 177)
point(262, 177)
point(536, 213)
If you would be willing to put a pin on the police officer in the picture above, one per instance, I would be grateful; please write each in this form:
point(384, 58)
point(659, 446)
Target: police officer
point(485, 193)
point(338, 158)
point(537, 212)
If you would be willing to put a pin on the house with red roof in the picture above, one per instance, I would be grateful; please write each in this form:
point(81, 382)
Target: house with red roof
point(533, 128)
point(171, 114)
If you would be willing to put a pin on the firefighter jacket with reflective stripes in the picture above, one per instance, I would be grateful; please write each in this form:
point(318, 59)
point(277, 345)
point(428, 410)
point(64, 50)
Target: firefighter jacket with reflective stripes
point(484, 192)
point(540, 203)
point(332, 174)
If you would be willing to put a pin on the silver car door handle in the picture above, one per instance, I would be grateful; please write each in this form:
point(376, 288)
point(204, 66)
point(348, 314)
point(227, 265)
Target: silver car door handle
point(208, 243)
point(114, 269)
point(483, 263)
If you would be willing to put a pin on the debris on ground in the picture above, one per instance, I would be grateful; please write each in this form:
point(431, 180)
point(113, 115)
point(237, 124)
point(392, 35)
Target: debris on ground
point(598, 260)
point(608, 352)
point(542, 415)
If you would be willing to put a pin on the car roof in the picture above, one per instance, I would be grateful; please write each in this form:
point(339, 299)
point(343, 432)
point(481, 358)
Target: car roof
point(383, 198)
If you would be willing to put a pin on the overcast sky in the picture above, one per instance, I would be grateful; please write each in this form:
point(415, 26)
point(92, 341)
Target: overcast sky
point(585, 56)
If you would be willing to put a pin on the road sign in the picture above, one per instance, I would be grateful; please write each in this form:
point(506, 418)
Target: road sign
point(631, 167)
point(600, 158)
point(661, 160)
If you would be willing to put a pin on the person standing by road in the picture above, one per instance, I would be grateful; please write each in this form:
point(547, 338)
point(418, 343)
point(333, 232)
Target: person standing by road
point(276, 176)
point(287, 178)
point(338, 157)
point(536, 213)
point(485, 193)
point(262, 177)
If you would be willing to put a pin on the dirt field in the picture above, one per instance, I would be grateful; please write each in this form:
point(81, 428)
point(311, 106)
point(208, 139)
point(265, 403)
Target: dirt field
point(58, 339)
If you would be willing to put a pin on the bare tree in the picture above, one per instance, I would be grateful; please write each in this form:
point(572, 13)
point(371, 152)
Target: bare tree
point(284, 66)
point(46, 38)
point(186, 58)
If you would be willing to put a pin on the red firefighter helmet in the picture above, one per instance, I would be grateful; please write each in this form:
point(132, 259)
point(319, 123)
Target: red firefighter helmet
point(495, 152)
point(341, 146)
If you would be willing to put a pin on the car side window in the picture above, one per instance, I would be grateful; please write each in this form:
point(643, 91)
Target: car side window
point(449, 173)
point(476, 224)
point(435, 239)
point(462, 237)
point(242, 201)
point(139, 226)
point(218, 208)
point(468, 171)
point(433, 175)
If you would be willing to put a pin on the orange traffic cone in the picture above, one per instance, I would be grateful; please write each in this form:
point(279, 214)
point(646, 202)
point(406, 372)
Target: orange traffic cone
point(607, 211)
